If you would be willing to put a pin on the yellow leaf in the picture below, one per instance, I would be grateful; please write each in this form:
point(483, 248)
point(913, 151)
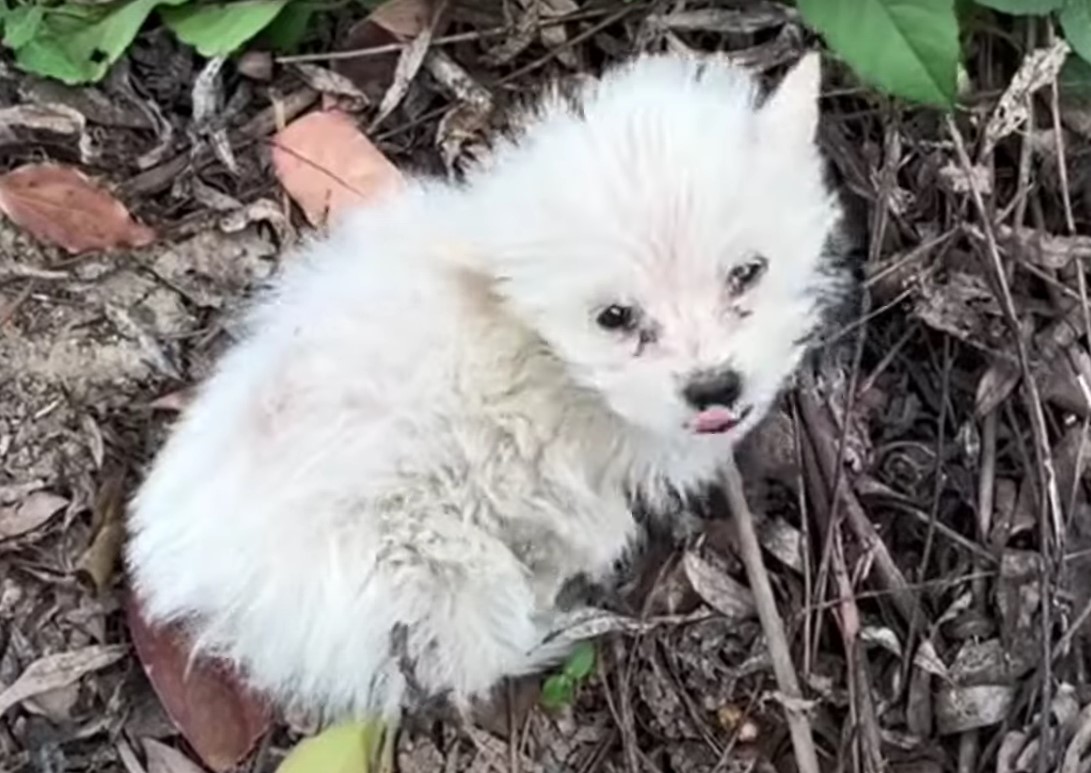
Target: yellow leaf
point(348, 748)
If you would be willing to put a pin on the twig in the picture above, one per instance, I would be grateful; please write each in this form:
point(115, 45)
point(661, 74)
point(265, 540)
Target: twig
point(444, 40)
point(1051, 510)
point(798, 723)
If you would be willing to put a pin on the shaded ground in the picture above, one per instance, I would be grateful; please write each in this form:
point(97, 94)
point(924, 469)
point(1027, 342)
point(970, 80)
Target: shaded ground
point(920, 605)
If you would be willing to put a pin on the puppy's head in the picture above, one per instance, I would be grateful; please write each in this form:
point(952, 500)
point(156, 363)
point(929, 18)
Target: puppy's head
point(666, 232)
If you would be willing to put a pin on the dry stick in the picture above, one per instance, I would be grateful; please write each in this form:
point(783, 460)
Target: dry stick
point(798, 723)
point(530, 67)
point(1046, 472)
point(457, 37)
point(1081, 280)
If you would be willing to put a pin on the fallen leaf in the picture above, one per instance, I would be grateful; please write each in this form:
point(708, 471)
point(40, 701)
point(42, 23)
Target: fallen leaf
point(55, 671)
point(57, 705)
point(330, 82)
point(10, 493)
point(986, 662)
point(220, 718)
point(1039, 68)
point(405, 19)
point(962, 305)
point(392, 22)
point(108, 525)
point(166, 759)
point(728, 597)
point(327, 164)
point(883, 637)
point(959, 709)
point(348, 748)
point(409, 64)
point(20, 123)
point(59, 205)
point(928, 660)
point(32, 513)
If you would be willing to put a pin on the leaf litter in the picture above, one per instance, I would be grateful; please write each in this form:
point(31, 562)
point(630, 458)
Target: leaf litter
point(930, 549)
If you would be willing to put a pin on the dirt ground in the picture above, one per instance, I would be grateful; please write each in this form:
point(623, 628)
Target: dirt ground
point(922, 496)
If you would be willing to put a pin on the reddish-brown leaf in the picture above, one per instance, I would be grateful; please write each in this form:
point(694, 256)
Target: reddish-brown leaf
point(326, 164)
point(220, 718)
point(59, 205)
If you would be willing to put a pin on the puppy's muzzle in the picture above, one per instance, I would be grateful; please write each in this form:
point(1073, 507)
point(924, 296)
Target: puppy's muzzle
point(720, 388)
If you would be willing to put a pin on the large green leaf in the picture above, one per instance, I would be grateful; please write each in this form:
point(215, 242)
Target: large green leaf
point(77, 43)
point(1076, 23)
point(21, 23)
point(219, 29)
point(908, 48)
point(289, 29)
point(1023, 7)
point(1075, 83)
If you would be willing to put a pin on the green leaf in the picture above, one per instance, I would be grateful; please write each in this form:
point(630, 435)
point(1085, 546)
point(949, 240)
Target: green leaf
point(557, 692)
point(287, 31)
point(21, 23)
point(78, 43)
point(1023, 7)
point(581, 662)
point(219, 29)
point(348, 748)
point(1075, 20)
point(909, 49)
point(1074, 83)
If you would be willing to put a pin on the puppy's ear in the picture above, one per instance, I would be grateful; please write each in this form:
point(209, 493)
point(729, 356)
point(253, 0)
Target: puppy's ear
point(791, 111)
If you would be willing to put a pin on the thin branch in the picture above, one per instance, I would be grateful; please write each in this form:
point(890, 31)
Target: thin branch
point(773, 626)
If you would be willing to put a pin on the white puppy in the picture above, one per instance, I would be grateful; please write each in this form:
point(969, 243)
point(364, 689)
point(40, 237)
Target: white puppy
point(446, 408)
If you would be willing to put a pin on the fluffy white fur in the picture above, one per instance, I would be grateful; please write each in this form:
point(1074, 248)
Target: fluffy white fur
point(427, 432)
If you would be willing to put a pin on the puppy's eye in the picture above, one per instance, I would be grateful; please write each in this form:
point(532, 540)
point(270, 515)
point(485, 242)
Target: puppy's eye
point(615, 317)
point(743, 276)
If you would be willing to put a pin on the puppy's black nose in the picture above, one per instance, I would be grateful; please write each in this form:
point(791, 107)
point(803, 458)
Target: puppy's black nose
point(720, 388)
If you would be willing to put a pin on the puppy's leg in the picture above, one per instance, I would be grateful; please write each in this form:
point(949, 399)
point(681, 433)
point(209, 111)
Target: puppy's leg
point(468, 613)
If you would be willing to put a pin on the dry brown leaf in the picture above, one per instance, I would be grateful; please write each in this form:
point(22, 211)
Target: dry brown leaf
point(995, 386)
point(55, 671)
point(59, 205)
point(205, 700)
point(984, 662)
point(405, 71)
point(928, 660)
point(30, 123)
point(98, 562)
point(404, 19)
point(1039, 68)
point(395, 21)
point(959, 709)
point(333, 83)
point(1007, 754)
point(32, 513)
point(326, 164)
point(166, 759)
point(963, 305)
point(882, 636)
point(719, 590)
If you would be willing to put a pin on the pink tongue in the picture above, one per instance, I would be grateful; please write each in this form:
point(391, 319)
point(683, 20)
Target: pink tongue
point(714, 420)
